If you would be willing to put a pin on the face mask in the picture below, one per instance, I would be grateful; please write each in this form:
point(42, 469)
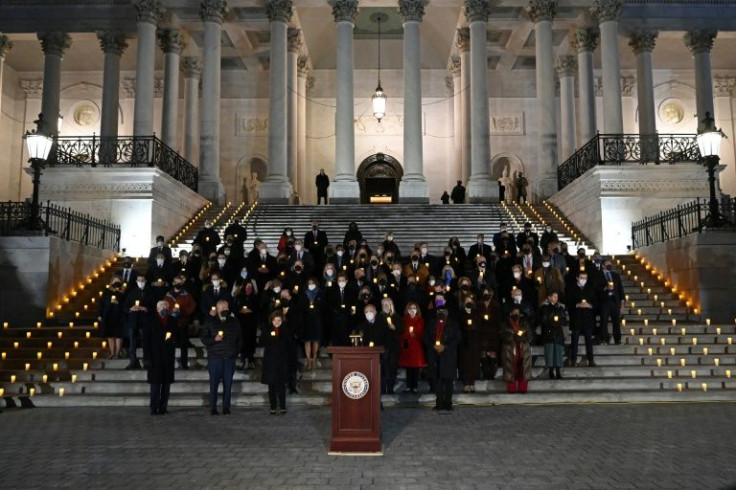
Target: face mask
point(339, 253)
point(465, 287)
point(329, 273)
point(141, 284)
point(277, 289)
point(469, 308)
point(164, 313)
point(412, 311)
point(177, 287)
point(503, 228)
point(224, 314)
point(527, 251)
point(160, 244)
point(312, 287)
point(127, 266)
point(482, 265)
point(548, 229)
point(424, 250)
point(608, 267)
point(342, 284)
point(374, 263)
point(414, 258)
point(487, 297)
point(244, 273)
point(216, 283)
point(160, 262)
point(390, 238)
point(288, 233)
point(432, 282)
point(221, 262)
point(298, 268)
point(298, 248)
point(517, 275)
point(226, 252)
point(370, 316)
point(480, 241)
point(116, 285)
point(263, 252)
point(582, 282)
point(438, 303)
point(517, 299)
point(314, 228)
point(545, 264)
point(397, 272)
point(183, 259)
point(207, 225)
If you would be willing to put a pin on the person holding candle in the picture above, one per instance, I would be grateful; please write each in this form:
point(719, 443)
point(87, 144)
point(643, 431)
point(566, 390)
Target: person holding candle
point(471, 344)
point(441, 339)
point(315, 241)
point(160, 344)
point(581, 306)
point(393, 325)
point(245, 301)
point(612, 301)
point(112, 317)
point(181, 306)
point(213, 293)
point(139, 304)
point(262, 264)
point(275, 339)
point(516, 353)
point(488, 315)
point(286, 241)
point(208, 238)
point(222, 337)
point(548, 279)
point(311, 308)
point(411, 354)
point(553, 318)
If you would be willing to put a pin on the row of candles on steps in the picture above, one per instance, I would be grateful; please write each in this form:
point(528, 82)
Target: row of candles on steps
point(681, 296)
point(571, 231)
point(82, 286)
point(189, 224)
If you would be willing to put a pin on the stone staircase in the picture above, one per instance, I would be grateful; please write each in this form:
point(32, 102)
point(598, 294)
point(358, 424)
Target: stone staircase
point(668, 352)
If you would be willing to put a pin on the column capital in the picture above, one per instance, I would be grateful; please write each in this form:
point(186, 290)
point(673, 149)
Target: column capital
point(32, 88)
point(566, 66)
point(477, 10)
point(453, 65)
point(463, 40)
point(606, 10)
point(129, 87)
point(643, 40)
point(213, 11)
point(723, 86)
point(279, 10)
point(191, 67)
point(54, 42)
point(293, 39)
point(344, 10)
point(149, 11)
point(5, 45)
point(540, 10)
point(412, 10)
point(700, 40)
point(627, 85)
point(310, 84)
point(170, 40)
point(302, 66)
point(112, 42)
point(584, 39)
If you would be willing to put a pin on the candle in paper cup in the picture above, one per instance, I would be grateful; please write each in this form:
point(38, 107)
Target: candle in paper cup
point(39, 355)
point(94, 355)
point(679, 387)
point(707, 321)
point(641, 341)
point(705, 386)
point(646, 322)
point(695, 341)
point(718, 330)
point(669, 374)
point(15, 345)
point(705, 351)
point(66, 355)
point(74, 378)
point(437, 343)
point(12, 378)
point(32, 391)
point(221, 333)
point(49, 344)
point(28, 335)
point(38, 324)
point(672, 351)
point(273, 333)
point(60, 334)
point(654, 331)
point(104, 344)
point(556, 318)
point(632, 331)
point(411, 329)
point(370, 344)
point(623, 323)
point(650, 351)
point(729, 340)
point(87, 335)
point(717, 362)
point(61, 391)
point(28, 366)
point(137, 302)
point(168, 336)
point(76, 344)
point(683, 331)
point(728, 373)
point(693, 374)
point(44, 378)
point(85, 366)
point(659, 362)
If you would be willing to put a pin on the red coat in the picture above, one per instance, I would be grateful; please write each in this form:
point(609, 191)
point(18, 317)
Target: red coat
point(412, 349)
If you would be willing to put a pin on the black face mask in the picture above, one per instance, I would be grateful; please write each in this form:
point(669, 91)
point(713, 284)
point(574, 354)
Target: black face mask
point(608, 267)
point(127, 266)
point(224, 314)
point(464, 287)
point(382, 282)
point(298, 268)
point(177, 287)
point(374, 263)
point(414, 258)
point(487, 297)
point(116, 285)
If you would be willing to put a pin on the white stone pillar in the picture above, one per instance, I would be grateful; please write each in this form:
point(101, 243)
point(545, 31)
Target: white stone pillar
point(171, 44)
point(345, 187)
point(723, 90)
point(700, 42)
point(113, 44)
point(566, 66)
point(480, 186)
point(54, 44)
point(276, 188)
point(457, 120)
point(463, 47)
point(294, 43)
point(608, 12)
point(212, 13)
point(542, 12)
point(642, 43)
point(192, 70)
point(584, 41)
point(149, 14)
point(301, 129)
point(413, 188)
point(5, 45)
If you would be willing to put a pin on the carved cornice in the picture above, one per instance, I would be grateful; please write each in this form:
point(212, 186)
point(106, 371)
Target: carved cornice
point(477, 10)
point(700, 40)
point(279, 10)
point(149, 11)
point(158, 87)
point(54, 42)
point(344, 10)
point(627, 86)
point(128, 85)
point(5, 45)
point(606, 10)
point(463, 40)
point(723, 86)
point(696, 186)
point(598, 86)
point(412, 10)
point(191, 67)
point(643, 41)
point(112, 42)
point(170, 40)
point(32, 88)
point(539, 10)
point(584, 39)
point(454, 65)
point(213, 11)
point(302, 66)
point(293, 39)
point(566, 66)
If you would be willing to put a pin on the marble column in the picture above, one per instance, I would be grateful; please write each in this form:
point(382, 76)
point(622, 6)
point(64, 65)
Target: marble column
point(113, 44)
point(542, 12)
point(192, 70)
point(294, 43)
point(277, 188)
point(457, 120)
point(584, 41)
point(608, 12)
point(463, 47)
point(149, 14)
point(413, 188)
point(723, 92)
point(345, 187)
point(566, 66)
point(212, 13)
point(301, 128)
point(642, 43)
point(5, 45)
point(54, 44)
point(700, 43)
point(171, 44)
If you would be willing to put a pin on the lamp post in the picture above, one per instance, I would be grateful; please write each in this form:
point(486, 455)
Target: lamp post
point(709, 143)
point(379, 96)
point(39, 146)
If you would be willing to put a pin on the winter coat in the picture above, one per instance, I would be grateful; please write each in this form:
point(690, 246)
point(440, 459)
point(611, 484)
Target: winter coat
point(161, 351)
point(412, 347)
point(442, 365)
point(552, 330)
point(515, 344)
point(276, 344)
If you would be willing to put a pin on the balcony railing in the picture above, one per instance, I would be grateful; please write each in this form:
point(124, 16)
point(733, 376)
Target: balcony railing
point(123, 151)
point(64, 223)
point(615, 149)
point(678, 222)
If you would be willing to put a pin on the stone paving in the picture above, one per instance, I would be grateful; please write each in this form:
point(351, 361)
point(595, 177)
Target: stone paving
point(688, 446)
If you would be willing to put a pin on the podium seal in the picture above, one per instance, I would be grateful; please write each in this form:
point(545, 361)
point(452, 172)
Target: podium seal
point(355, 385)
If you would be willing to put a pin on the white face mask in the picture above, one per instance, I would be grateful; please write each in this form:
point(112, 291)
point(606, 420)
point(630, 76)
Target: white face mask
point(545, 264)
point(480, 241)
point(263, 252)
point(298, 248)
point(370, 316)
point(183, 259)
point(160, 262)
point(226, 252)
point(312, 287)
point(432, 282)
point(517, 275)
point(141, 284)
point(339, 253)
point(582, 282)
point(397, 272)
point(412, 312)
point(517, 299)
point(160, 244)
point(288, 233)
point(548, 229)
point(342, 284)
point(216, 283)
point(424, 250)
point(277, 289)
point(329, 272)
point(390, 238)
point(221, 262)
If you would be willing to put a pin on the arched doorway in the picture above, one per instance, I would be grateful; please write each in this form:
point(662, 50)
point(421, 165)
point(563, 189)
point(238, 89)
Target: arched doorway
point(379, 176)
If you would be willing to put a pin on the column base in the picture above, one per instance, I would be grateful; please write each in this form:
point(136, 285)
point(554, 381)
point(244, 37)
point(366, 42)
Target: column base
point(482, 191)
point(212, 190)
point(275, 193)
point(545, 188)
point(344, 192)
point(413, 192)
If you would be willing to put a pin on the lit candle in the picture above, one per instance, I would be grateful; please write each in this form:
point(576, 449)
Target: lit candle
point(28, 366)
point(273, 333)
point(76, 344)
point(104, 344)
point(646, 322)
point(641, 341)
point(693, 374)
point(661, 304)
point(654, 331)
point(728, 373)
point(74, 378)
point(15, 345)
point(707, 321)
point(683, 363)
point(672, 351)
point(28, 335)
point(32, 391)
point(12, 378)
point(638, 311)
point(370, 344)
point(729, 340)
point(470, 322)
point(55, 367)
point(66, 355)
point(3, 356)
point(659, 362)
point(60, 334)
point(61, 391)
point(705, 386)
point(669, 311)
point(718, 330)
point(679, 386)
point(39, 355)
point(683, 331)
point(221, 333)
point(705, 351)
point(717, 362)
point(94, 355)
point(695, 341)
point(485, 317)
point(669, 374)
point(437, 343)
point(137, 302)
point(5, 325)
point(176, 306)
point(663, 341)
point(38, 324)
point(87, 335)
point(650, 351)
point(656, 297)
point(44, 378)
point(85, 366)
point(49, 344)
point(556, 318)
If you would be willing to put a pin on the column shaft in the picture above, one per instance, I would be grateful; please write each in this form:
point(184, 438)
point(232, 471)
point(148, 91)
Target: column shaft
point(171, 44)
point(209, 147)
point(613, 122)
point(586, 96)
point(480, 188)
point(144, 79)
point(110, 96)
point(53, 44)
point(463, 45)
point(566, 71)
point(546, 178)
point(457, 124)
point(277, 127)
point(291, 111)
point(700, 43)
point(192, 72)
point(301, 130)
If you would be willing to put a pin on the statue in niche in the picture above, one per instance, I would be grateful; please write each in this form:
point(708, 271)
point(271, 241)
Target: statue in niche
point(253, 187)
point(244, 189)
point(508, 183)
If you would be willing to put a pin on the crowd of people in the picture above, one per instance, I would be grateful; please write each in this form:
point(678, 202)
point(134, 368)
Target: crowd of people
point(459, 313)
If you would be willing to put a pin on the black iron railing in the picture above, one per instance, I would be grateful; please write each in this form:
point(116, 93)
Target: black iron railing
point(678, 222)
point(123, 151)
point(615, 149)
point(62, 222)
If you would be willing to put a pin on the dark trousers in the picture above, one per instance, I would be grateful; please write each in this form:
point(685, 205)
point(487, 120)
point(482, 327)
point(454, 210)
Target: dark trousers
point(133, 343)
point(586, 329)
point(320, 196)
point(443, 390)
point(412, 378)
point(159, 397)
point(277, 396)
point(293, 363)
point(610, 308)
point(221, 370)
point(182, 341)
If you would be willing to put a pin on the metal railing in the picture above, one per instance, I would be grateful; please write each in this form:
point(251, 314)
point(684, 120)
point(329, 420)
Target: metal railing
point(63, 222)
point(615, 149)
point(683, 220)
point(122, 151)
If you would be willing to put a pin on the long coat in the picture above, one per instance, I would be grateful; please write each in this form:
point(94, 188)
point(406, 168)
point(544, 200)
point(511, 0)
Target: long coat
point(444, 365)
point(276, 342)
point(412, 354)
point(552, 329)
point(112, 314)
point(161, 351)
point(513, 345)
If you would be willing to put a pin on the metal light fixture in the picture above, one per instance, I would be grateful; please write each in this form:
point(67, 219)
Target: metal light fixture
point(39, 146)
point(709, 142)
point(379, 97)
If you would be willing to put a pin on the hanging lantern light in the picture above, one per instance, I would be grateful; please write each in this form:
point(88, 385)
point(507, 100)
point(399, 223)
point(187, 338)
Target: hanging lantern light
point(379, 97)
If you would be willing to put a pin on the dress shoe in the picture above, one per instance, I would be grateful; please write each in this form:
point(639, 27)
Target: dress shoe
point(214, 412)
point(293, 391)
point(272, 412)
point(282, 411)
point(133, 366)
point(558, 373)
point(226, 412)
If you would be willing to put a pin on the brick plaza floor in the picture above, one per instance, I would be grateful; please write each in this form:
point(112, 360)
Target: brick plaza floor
point(688, 446)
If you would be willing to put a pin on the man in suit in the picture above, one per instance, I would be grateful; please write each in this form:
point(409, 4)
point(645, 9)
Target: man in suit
point(300, 253)
point(458, 193)
point(480, 248)
point(208, 239)
point(323, 183)
point(525, 235)
point(612, 300)
point(581, 303)
point(160, 271)
point(160, 248)
point(213, 294)
point(128, 274)
point(315, 241)
point(441, 339)
point(497, 236)
point(222, 336)
point(139, 306)
point(237, 231)
point(262, 265)
point(416, 268)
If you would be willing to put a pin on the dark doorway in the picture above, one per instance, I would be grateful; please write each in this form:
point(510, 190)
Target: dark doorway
point(379, 176)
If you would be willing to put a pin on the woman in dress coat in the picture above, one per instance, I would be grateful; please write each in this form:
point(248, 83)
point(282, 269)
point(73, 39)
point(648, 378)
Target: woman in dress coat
point(517, 354)
point(160, 340)
point(112, 316)
point(275, 341)
point(311, 309)
point(441, 339)
point(411, 355)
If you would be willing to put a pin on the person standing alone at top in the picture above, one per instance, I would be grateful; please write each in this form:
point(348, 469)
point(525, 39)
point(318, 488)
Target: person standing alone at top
point(322, 182)
point(458, 193)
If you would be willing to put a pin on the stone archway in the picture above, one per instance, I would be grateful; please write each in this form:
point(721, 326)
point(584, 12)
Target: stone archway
point(379, 177)
point(505, 168)
point(249, 173)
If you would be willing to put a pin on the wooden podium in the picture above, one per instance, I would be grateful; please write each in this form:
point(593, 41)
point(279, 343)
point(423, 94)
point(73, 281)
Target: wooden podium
point(356, 401)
